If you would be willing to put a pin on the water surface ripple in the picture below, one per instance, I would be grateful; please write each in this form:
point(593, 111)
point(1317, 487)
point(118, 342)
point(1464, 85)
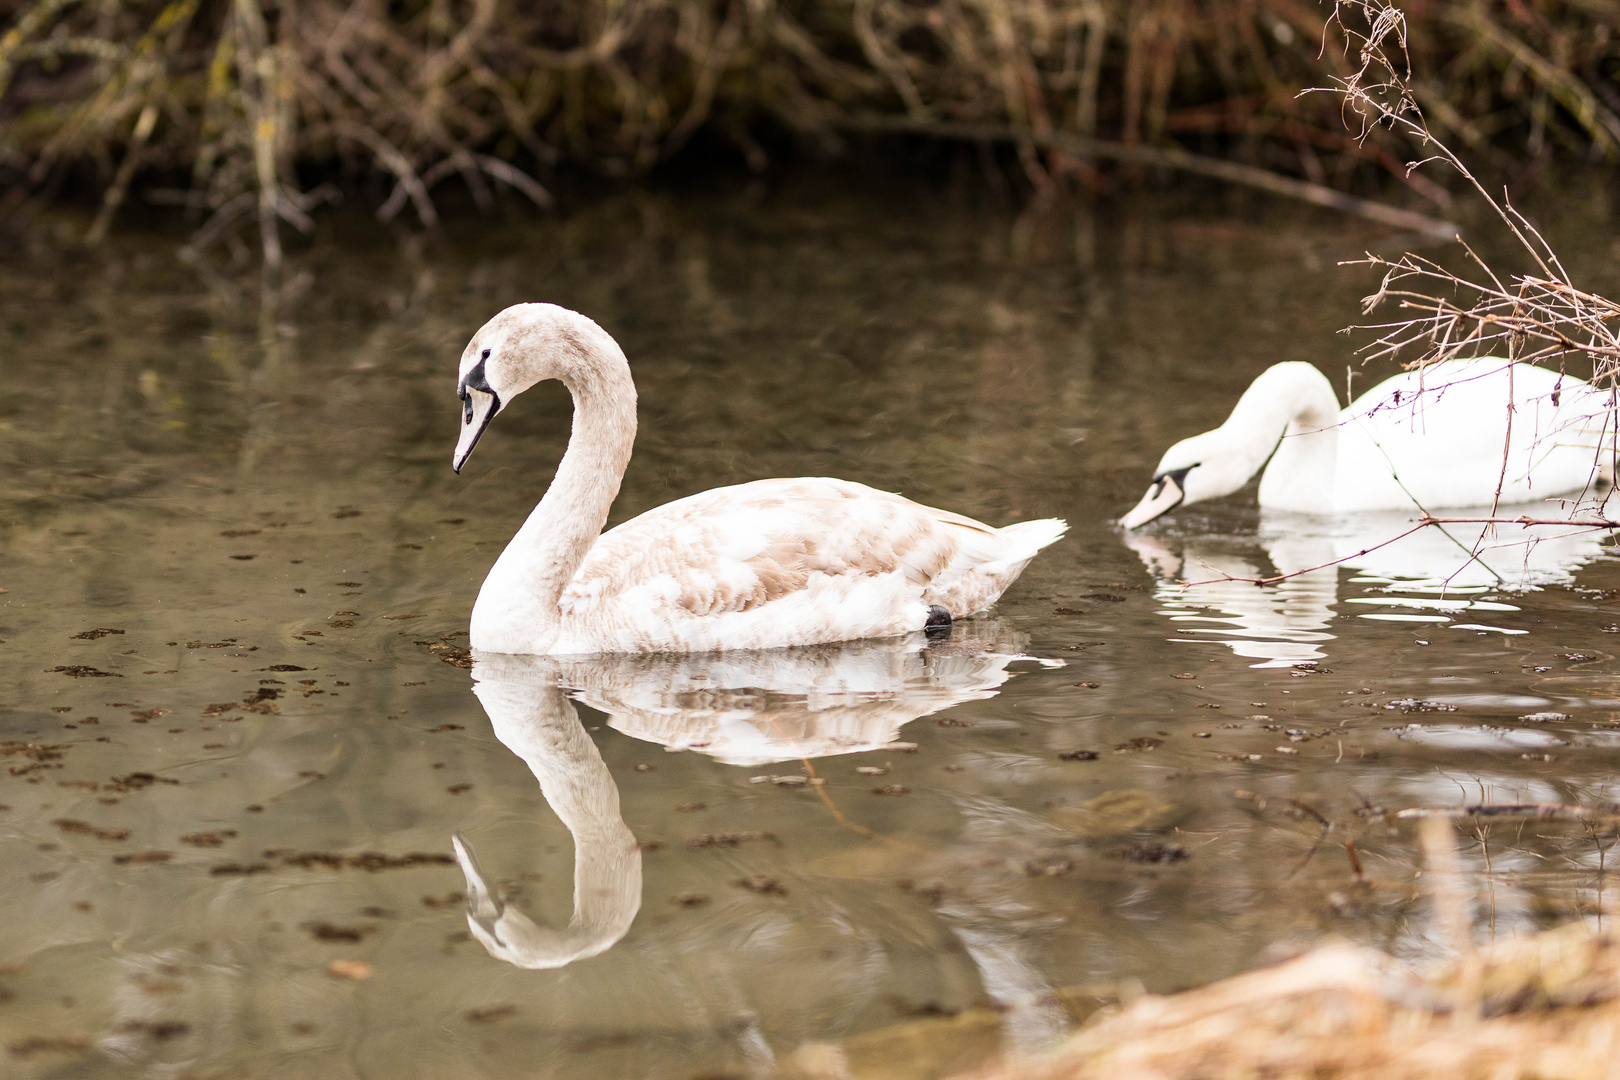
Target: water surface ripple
point(265, 816)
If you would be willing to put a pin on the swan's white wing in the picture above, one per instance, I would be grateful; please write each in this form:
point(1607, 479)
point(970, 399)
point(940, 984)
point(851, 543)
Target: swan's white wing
point(1437, 437)
point(784, 562)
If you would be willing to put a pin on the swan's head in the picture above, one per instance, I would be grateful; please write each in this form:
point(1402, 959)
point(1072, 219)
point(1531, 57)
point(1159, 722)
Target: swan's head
point(524, 345)
point(1289, 396)
point(1203, 467)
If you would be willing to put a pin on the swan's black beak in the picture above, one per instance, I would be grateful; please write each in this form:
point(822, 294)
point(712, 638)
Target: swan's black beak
point(479, 404)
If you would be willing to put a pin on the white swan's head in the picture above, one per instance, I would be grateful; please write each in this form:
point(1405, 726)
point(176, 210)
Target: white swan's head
point(1203, 467)
point(524, 345)
point(1291, 396)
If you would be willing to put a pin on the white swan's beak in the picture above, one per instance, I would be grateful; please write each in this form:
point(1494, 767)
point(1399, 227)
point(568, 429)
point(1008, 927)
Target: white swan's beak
point(479, 404)
point(483, 906)
point(1165, 495)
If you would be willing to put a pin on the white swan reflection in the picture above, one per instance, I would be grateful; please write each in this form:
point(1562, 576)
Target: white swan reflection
point(753, 707)
point(743, 708)
point(537, 722)
point(1452, 574)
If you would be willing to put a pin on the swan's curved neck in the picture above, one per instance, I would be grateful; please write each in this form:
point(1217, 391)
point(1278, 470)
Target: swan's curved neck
point(1290, 415)
point(517, 608)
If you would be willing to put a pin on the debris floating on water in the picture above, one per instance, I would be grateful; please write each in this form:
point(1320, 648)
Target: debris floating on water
point(84, 828)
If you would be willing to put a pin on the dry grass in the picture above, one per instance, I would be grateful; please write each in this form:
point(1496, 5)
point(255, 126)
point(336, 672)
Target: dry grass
point(252, 104)
point(1538, 316)
point(1545, 1006)
point(1539, 1007)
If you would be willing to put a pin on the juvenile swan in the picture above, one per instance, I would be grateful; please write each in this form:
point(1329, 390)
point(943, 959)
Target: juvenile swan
point(761, 565)
point(1429, 438)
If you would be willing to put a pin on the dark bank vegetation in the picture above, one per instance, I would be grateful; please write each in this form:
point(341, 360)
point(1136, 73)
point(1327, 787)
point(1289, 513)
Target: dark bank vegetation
point(246, 112)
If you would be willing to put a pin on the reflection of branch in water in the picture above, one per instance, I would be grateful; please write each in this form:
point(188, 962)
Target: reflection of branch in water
point(838, 815)
point(1603, 858)
point(1582, 525)
point(1085, 147)
point(1316, 845)
point(253, 361)
point(1275, 578)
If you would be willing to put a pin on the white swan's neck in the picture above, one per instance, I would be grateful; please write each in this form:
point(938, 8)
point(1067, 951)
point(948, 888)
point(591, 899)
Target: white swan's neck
point(517, 609)
point(1293, 403)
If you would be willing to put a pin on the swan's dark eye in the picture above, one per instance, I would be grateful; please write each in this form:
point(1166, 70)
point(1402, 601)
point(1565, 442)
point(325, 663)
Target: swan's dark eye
point(484, 355)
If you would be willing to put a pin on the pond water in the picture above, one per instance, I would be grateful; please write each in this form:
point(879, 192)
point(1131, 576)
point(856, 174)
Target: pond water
point(259, 821)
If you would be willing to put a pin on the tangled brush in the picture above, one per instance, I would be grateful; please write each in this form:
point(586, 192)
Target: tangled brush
point(243, 110)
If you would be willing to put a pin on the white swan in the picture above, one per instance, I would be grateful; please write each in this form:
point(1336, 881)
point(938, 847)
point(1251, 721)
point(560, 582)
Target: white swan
point(762, 565)
point(1431, 438)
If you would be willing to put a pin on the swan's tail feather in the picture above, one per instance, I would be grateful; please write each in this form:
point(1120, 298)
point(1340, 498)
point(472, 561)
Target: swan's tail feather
point(988, 567)
point(1025, 538)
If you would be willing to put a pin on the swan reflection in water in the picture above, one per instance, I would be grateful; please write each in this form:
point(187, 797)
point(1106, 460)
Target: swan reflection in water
point(1439, 575)
point(537, 722)
point(753, 707)
point(743, 708)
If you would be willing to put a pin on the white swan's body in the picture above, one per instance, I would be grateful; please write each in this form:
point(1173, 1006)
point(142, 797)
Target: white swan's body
point(1461, 433)
point(768, 564)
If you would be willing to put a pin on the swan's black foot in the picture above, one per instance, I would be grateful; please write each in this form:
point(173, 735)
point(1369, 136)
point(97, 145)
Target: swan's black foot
point(938, 623)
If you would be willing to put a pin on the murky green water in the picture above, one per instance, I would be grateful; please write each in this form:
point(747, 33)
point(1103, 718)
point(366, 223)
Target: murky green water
point(255, 824)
